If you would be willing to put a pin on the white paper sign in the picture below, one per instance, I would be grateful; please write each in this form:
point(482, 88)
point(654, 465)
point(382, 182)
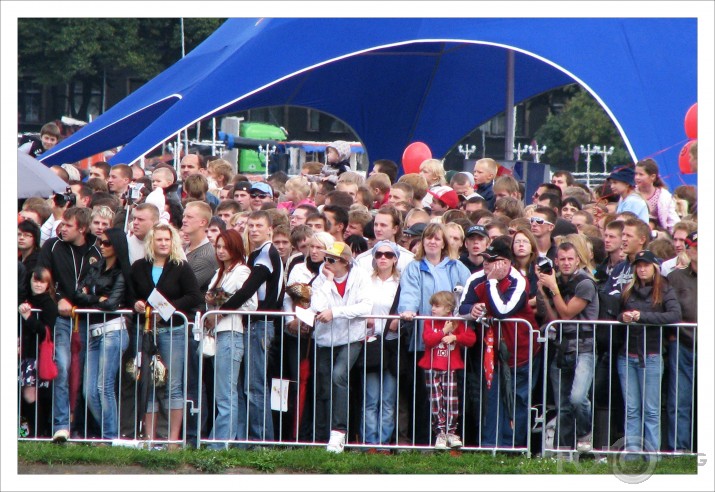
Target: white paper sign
point(306, 316)
point(161, 305)
point(279, 394)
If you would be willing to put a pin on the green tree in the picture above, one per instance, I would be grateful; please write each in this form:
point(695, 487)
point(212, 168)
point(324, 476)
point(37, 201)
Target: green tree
point(583, 121)
point(70, 51)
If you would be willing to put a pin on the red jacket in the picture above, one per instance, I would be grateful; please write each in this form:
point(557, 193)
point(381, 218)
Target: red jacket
point(439, 356)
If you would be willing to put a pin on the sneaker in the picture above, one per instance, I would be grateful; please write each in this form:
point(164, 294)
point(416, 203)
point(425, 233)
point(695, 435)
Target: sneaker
point(583, 445)
point(24, 430)
point(453, 441)
point(441, 442)
point(336, 443)
point(61, 436)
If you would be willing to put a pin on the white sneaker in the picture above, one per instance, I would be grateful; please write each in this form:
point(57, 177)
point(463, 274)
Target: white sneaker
point(441, 442)
point(453, 441)
point(584, 445)
point(61, 436)
point(336, 443)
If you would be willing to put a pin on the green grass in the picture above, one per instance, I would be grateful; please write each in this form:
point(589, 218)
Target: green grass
point(318, 461)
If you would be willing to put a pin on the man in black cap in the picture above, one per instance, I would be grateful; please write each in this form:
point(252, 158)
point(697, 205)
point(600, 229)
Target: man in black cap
point(476, 241)
point(242, 194)
point(623, 183)
point(412, 233)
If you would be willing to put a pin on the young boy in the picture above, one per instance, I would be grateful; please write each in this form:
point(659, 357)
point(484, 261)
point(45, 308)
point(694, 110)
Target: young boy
point(338, 161)
point(49, 137)
point(161, 179)
point(442, 357)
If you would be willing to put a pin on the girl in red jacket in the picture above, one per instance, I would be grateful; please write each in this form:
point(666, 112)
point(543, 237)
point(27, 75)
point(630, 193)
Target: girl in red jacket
point(443, 340)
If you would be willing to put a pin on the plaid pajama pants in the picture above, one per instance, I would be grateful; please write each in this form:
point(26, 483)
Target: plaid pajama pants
point(444, 400)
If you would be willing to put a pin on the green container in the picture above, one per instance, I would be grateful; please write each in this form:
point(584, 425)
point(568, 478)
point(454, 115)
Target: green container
point(250, 161)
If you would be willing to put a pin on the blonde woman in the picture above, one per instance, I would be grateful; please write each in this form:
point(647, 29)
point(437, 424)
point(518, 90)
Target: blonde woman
point(165, 269)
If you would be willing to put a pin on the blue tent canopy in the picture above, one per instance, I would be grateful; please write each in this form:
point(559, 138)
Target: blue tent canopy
point(395, 81)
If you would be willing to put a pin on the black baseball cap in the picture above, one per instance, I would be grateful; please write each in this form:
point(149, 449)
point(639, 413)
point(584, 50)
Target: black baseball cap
point(242, 186)
point(692, 240)
point(496, 250)
point(646, 256)
point(415, 229)
point(477, 230)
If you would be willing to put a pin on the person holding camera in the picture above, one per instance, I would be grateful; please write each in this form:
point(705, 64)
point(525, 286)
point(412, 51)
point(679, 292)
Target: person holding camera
point(60, 203)
point(574, 297)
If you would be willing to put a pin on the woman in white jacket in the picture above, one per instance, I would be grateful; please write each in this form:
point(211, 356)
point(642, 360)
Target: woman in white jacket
point(341, 298)
point(661, 205)
point(229, 399)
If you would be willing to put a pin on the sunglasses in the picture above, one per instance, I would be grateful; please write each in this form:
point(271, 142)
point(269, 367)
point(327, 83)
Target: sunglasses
point(540, 221)
point(262, 196)
point(384, 254)
point(105, 243)
point(330, 260)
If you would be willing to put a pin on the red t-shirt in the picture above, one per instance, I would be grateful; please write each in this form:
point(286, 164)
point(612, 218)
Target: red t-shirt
point(341, 286)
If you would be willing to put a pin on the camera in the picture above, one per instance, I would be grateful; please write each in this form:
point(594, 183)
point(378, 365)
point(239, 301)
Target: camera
point(545, 265)
point(61, 199)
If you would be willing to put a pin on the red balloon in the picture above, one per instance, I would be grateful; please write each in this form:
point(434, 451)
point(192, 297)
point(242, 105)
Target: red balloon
point(414, 155)
point(691, 122)
point(684, 159)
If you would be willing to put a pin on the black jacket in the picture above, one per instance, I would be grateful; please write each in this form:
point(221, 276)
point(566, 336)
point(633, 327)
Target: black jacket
point(644, 336)
point(65, 261)
point(177, 283)
point(33, 328)
point(102, 283)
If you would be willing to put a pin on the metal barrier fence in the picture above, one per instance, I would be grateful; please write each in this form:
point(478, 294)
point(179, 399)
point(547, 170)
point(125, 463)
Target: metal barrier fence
point(98, 395)
point(614, 388)
point(271, 386)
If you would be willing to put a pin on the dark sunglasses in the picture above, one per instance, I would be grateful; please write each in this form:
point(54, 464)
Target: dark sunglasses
point(540, 221)
point(384, 254)
point(260, 195)
point(105, 243)
point(330, 260)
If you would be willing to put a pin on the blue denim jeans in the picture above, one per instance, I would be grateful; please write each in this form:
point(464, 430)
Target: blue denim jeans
point(257, 342)
point(104, 357)
point(332, 375)
point(681, 368)
point(171, 343)
point(497, 417)
point(641, 391)
point(60, 386)
point(380, 399)
point(571, 385)
point(230, 422)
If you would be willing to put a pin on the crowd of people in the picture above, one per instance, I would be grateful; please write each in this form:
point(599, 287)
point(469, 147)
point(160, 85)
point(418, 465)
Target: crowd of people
point(382, 264)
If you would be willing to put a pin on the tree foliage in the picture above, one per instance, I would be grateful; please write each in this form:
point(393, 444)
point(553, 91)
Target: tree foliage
point(583, 121)
point(59, 51)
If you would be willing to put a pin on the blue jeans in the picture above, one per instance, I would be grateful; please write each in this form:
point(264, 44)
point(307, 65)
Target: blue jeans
point(104, 357)
point(257, 341)
point(332, 375)
point(230, 422)
point(380, 398)
point(60, 386)
point(571, 385)
point(681, 366)
point(172, 346)
point(641, 391)
point(498, 417)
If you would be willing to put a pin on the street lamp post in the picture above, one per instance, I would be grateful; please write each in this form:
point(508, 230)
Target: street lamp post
point(467, 150)
point(537, 152)
point(267, 152)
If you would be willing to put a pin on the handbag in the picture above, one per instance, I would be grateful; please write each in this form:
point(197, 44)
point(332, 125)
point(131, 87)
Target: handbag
point(208, 346)
point(158, 370)
point(372, 358)
point(46, 366)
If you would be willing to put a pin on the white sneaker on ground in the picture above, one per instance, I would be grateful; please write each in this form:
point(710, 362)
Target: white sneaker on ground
point(583, 444)
point(453, 441)
point(336, 443)
point(61, 436)
point(441, 442)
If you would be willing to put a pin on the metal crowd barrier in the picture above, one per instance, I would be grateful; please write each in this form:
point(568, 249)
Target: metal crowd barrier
point(297, 413)
point(661, 389)
point(131, 392)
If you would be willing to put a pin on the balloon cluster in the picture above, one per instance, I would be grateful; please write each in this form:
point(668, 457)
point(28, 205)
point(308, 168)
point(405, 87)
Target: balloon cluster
point(685, 161)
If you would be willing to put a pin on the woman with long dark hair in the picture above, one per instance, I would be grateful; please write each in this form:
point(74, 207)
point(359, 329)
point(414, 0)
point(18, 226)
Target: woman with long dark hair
point(661, 206)
point(229, 401)
point(647, 304)
point(108, 287)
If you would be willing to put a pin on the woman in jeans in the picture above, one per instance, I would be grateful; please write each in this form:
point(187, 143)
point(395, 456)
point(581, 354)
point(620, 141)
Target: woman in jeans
point(107, 287)
point(229, 400)
point(647, 303)
point(165, 270)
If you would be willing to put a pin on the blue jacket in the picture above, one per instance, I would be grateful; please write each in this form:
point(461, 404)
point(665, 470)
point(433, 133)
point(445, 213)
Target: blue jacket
point(417, 284)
